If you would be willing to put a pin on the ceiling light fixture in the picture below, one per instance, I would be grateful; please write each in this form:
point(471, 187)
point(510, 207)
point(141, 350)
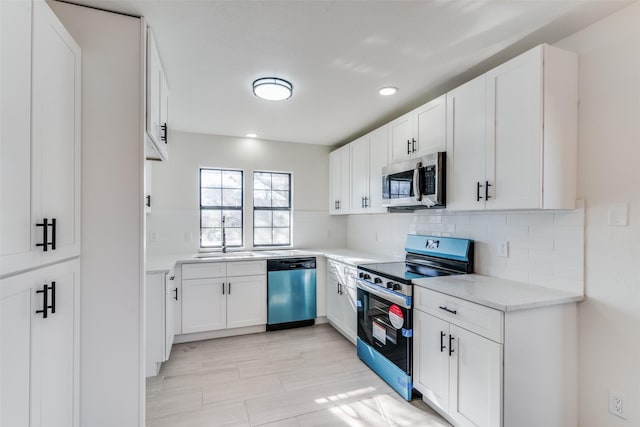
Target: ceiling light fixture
point(272, 89)
point(389, 90)
point(252, 135)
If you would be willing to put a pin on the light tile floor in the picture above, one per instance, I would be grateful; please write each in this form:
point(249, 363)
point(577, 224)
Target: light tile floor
point(297, 377)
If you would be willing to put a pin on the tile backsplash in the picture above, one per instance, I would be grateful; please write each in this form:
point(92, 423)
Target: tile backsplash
point(544, 247)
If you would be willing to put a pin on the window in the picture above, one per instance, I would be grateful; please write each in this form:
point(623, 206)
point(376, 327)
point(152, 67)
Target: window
point(221, 195)
point(271, 209)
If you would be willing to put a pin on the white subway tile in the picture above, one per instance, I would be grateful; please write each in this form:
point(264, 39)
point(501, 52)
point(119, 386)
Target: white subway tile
point(530, 219)
point(552, 232)
point(456, 219)
point(538, 244)
point(488, 219)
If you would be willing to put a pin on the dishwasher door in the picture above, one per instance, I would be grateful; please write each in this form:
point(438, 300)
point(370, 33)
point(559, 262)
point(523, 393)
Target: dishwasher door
point(291, 293)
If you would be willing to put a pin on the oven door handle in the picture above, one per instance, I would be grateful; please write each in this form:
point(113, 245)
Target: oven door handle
point(391, 297)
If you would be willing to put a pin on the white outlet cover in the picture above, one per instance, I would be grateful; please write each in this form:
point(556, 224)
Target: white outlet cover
point(619, 214)
point(503, 249)
point(617, 405)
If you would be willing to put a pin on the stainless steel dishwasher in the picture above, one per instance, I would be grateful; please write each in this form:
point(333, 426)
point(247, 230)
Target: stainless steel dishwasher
point(291, 293)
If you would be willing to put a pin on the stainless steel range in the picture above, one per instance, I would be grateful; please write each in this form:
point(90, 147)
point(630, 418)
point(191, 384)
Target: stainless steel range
point(385, 302)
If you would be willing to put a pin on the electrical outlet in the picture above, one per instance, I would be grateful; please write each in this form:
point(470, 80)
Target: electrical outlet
point(617, 405)
point(503, 249)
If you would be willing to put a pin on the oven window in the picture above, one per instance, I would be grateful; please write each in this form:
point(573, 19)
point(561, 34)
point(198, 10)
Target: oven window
point(384, 326)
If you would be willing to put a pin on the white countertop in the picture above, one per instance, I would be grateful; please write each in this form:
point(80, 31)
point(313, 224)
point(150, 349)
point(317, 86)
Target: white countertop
point(165, 263)
point(501, 294)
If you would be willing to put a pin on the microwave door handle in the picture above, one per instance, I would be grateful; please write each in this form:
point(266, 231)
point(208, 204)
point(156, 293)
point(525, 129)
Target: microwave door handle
point(417, 189)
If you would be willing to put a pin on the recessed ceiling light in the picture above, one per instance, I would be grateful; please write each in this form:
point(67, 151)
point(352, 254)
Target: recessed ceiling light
point(252, 135)
point(389, 90)
point(272, 88)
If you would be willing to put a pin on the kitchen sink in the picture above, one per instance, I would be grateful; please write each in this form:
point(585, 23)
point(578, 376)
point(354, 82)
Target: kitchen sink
point(207, 255)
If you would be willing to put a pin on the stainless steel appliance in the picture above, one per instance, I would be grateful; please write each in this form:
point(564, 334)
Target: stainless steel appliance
point(417, 183)
point(291, 292)
point(385, 303)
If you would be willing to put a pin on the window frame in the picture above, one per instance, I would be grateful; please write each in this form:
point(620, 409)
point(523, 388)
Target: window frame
point(288, 209)
point(222, 207)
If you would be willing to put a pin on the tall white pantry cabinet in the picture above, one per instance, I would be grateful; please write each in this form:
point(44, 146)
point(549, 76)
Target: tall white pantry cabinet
point(40, 66)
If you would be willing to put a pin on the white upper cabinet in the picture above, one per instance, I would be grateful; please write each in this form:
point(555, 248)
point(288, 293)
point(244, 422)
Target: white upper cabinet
point(368, 157)
point(466, 145)
point(157, 104)
point(420, 131)
point(40, 138)
point(339, 176)
point(526, 155)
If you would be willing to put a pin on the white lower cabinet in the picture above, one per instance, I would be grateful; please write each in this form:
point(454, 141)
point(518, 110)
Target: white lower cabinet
point(160, 302)
point(223, 295)
point(39, 347)
point(341, 298)
point(481, 367)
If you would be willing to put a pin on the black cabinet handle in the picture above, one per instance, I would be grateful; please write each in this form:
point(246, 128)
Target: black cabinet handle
point(442, 346)
point(163, 137)
point(451, 350)
point(408, 146)
point(486, 190)
point(366, 201)
point(45, 301)
point(222, 288)
point(52, 306)
point(338, 202)
point(175, 294)
point(229, 284)
point(147, 199)
point(413, 145)
point(172, 277)
point(478, 185)
point(447, 309)
point(45, 234)
point(53, 234)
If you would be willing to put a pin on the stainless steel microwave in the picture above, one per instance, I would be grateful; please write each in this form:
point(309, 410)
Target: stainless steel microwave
point(418, 182)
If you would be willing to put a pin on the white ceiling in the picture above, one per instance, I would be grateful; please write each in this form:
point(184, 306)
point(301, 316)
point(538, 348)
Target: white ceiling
point(337, 54)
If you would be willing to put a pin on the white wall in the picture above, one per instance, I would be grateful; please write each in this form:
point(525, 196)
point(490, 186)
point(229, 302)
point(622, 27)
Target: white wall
point(175, 199)
point(609, 172)
point(111, 337)
point(545, 248)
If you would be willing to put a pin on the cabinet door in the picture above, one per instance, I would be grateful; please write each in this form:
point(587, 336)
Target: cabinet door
point(476, 380)
point(19, 235)
point(204, 305)
point(431, 358)
point(164, 113)
point(15, 354)
point(154, 76)
point(56, 131)
point(466, 145)
point(54, 352)
point(430, 126)
point(246, 301)
point(400, 137)
point(155, 322)
point(349, 301)
point(335, 181)
point(359, 174)
point(171, 300)
point(514, 133)
point(378, 158)
point(334, 311)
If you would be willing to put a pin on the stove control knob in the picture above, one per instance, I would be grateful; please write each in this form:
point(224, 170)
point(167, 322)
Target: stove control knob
point(397, 287)
point(389, 285)
point(377, 280)
point(361, 275)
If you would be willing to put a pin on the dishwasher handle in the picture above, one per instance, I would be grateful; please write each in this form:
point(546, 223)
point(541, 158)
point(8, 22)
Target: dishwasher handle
point(291, 264)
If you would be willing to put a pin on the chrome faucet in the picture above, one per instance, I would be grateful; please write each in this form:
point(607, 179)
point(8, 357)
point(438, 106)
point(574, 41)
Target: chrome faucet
point(224, 238)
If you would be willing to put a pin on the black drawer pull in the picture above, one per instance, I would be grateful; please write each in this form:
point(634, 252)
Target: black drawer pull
point(222, 288)
point(175, 292)
point(408, 146)
point(229, 288)
point(478, 185)
point(52, 306)
point(163, 137)
point(53, 234)
point(448, 310)
point(442, 346)
point(486, 190)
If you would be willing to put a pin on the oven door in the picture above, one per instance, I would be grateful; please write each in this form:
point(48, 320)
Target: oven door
point(386, 326)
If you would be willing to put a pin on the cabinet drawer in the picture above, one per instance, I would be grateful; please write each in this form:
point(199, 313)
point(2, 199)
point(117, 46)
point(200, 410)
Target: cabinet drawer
point(474, 317)
point(246, 268)
point(204, 270)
